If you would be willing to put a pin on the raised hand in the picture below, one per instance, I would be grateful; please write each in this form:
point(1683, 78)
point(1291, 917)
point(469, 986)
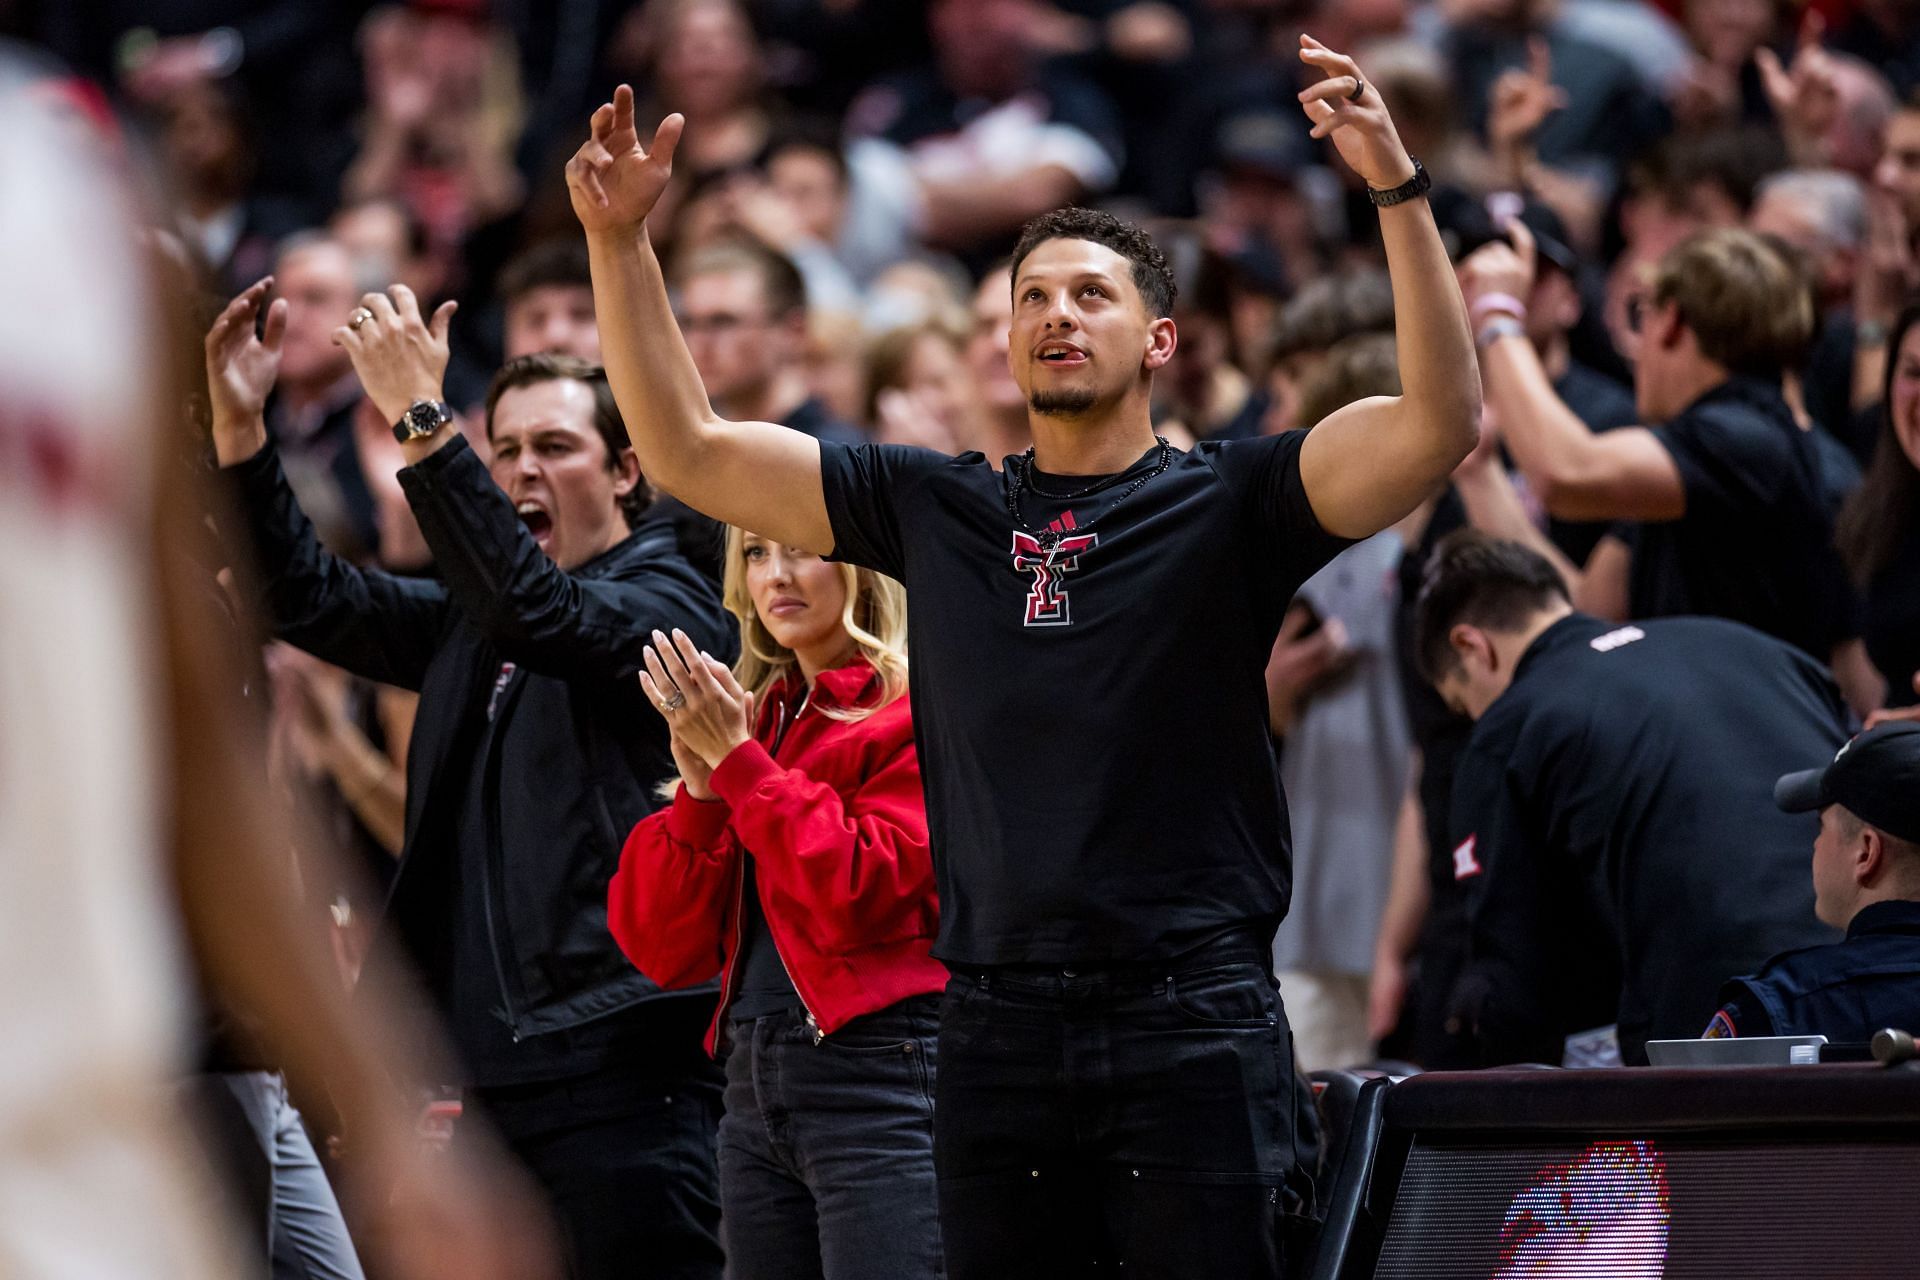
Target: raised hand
point(1500, 269)
point(1359, 125)
point(241, 369)
point(400, 356)
point(1804, 94)
point(614, 181)
point(1522, 99)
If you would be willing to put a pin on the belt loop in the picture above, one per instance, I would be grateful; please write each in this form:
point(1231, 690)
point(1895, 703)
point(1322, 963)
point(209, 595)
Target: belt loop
point(985, 982)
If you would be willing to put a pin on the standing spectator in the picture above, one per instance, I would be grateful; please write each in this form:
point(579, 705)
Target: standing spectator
point(1112, 859)
point(793, 865)
point(311, 413)
point(1879, 528)
point(1002, 423)
point(532, 751)
point(987, 139)
point(919, 389)
point(1612, 820)
point(1344, 761)
point(546, 294)
point(209, 150)
point(1727, 486)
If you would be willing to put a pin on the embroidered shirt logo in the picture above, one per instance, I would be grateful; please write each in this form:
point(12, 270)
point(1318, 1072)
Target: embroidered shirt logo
point(1464, 863)
point(1049, 560)
point(500, 683)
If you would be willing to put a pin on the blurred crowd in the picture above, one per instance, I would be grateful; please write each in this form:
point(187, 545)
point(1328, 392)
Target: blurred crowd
point(854, 172)
point(852, 178)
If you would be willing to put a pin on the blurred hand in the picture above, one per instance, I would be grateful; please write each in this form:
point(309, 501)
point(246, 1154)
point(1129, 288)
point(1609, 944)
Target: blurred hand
point(400, 83)
point(1495, 267)
point(1302, 661)
point(1894, 715)
point(764, 214)
point(613, 181)
point(1149, 31)
point(1386, 996)
point(400, 356)
point(241, 369)
point(1888, 272)
point(448, 1215)
point(905, 418)
point(1804, 94)
point(1522, 99)
point(1361, 129)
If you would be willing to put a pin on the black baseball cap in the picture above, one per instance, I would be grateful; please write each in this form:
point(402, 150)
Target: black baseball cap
point(1876, 777)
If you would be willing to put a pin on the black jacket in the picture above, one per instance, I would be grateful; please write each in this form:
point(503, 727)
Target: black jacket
point(527, 684)
point(1845, 991)
point(1615, 834)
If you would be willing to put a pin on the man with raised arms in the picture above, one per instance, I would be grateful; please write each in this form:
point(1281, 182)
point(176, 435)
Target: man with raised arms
point(1089, 630)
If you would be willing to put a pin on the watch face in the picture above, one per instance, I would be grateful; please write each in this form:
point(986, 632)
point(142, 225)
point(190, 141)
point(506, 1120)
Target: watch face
point(424, 418)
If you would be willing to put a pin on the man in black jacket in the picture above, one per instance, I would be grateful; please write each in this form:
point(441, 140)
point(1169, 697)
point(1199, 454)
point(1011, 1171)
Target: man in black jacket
point(1613, 830)
point(533, 755)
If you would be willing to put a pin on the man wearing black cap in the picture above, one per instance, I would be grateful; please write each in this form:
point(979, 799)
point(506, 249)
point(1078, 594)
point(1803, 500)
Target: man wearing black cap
point(1866, 880)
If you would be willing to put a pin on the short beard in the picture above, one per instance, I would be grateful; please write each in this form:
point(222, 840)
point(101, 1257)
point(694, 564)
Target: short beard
point(1064, 403)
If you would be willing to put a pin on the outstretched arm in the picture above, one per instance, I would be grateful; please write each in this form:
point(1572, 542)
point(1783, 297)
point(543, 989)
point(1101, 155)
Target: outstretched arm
point(753, 474)
point(1372, 462)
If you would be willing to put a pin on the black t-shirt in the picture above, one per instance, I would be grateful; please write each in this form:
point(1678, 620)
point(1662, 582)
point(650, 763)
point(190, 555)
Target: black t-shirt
point(1756, 541)
point(1092, 722)
point(1613, 823)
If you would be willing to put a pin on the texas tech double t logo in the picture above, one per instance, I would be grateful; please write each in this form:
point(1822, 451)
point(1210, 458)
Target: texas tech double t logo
point(1049, 559)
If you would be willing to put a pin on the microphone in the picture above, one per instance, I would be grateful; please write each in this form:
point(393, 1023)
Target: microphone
point(1892, 1046)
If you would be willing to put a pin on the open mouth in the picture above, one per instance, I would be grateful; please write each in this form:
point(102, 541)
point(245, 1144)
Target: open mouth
point(1062, 354)
point(538, 522)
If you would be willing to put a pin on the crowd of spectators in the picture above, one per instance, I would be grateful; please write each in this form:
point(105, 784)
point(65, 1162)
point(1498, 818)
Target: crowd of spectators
point(1672, 219)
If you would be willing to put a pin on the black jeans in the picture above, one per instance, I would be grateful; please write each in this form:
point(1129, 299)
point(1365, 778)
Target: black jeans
point(826, 1150)
point(1089, 1120)
point(626, 1161)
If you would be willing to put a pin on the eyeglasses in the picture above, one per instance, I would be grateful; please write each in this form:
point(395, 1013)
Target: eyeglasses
point(720, 324)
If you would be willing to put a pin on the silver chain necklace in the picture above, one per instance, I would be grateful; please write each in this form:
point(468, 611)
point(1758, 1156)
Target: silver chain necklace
point(1020, 475)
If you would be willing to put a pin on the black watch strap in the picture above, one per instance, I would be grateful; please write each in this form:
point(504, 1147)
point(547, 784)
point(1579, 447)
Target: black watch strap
point(1418, 185)
point(422, 418)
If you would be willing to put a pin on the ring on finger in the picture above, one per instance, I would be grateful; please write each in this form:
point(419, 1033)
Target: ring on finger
point(674, 703)
point(359, 317)
point(1359, 87)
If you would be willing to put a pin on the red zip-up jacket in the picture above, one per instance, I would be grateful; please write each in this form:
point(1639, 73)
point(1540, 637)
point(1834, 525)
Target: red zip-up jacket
point(836, 823)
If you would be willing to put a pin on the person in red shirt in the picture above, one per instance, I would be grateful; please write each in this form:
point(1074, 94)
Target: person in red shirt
point(793, 863)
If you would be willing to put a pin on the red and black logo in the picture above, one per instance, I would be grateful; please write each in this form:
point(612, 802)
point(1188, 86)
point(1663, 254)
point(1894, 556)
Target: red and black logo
point(1049, 557)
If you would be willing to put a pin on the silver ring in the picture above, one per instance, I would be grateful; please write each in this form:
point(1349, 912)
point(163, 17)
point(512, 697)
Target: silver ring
point(359, 317)
point(1359, 87)
point(677, 701)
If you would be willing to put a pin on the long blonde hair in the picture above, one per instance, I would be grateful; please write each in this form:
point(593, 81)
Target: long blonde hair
point(875, 618)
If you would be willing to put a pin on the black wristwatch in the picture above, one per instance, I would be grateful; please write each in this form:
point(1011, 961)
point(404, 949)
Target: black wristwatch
point(422, 418)
point(1417, 185)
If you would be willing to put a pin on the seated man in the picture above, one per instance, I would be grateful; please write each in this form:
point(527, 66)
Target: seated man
point(1616, 847)
point(1866, 880)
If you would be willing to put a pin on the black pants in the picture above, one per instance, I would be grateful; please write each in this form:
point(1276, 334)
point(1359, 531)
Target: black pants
point(826, 1150)
point(1090, 1120)
point(627, 1163)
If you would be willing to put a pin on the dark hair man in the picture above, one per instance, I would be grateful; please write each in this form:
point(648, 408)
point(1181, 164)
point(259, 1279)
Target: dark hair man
point(534, 752)
point(1610, 823)
point(546, 294)
point(1866, 880)
point(1104, 903)
point(1726, 485)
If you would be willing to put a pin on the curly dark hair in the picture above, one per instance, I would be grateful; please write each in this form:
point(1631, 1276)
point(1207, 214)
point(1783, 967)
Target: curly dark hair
point(1151, 274)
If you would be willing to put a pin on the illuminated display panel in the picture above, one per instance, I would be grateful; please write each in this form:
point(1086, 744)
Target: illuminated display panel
point(1671, 1208)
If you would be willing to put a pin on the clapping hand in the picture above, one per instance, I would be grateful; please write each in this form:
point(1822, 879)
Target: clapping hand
point(242, 367)
point(614, 181)
point(400, 356)
point(1347, 109)
point(707, 711)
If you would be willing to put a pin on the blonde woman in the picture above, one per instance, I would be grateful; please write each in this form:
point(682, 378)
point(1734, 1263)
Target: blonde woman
point(793, 864)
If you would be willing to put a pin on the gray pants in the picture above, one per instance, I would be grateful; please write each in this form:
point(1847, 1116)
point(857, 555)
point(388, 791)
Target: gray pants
point(261, 1152)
